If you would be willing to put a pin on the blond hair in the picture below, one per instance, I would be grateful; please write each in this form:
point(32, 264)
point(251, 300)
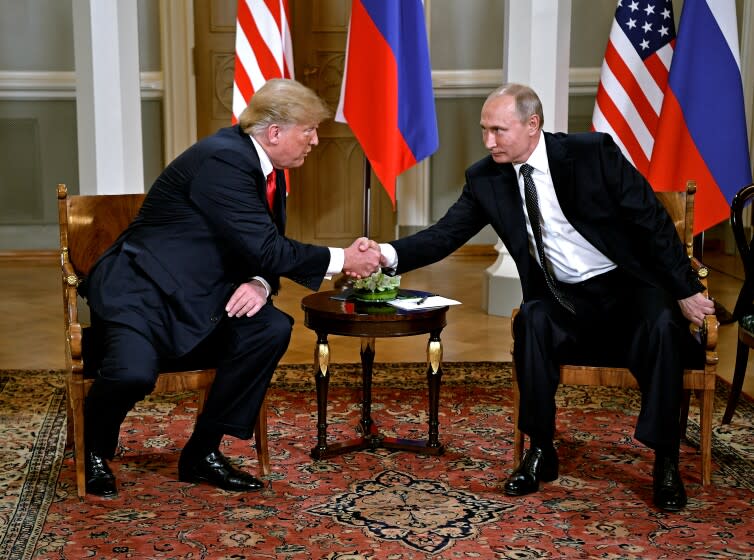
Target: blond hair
point(283, 102)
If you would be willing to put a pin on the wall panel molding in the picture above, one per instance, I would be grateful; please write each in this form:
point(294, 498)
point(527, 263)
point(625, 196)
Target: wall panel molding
point(35, 86)
point(583, 81)
point(473, 83)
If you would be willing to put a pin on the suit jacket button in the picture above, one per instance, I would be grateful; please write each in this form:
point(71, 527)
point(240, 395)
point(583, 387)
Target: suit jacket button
point(214, 318)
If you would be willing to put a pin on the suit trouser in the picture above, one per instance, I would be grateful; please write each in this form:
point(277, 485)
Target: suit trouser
point(619, 322)
point(244, 351)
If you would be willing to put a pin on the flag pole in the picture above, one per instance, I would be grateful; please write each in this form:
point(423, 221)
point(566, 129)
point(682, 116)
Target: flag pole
point(343, 282)
point(367, 195)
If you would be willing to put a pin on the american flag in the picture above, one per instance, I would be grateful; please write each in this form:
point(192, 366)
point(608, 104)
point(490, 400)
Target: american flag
point(634, 77)
point(263, 48)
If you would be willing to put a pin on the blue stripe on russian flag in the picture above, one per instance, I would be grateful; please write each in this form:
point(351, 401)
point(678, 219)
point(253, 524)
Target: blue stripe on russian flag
point(706, 80)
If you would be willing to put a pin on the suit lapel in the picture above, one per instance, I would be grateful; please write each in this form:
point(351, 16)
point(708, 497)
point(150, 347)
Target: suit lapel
point(510, 209)
point(561, 169)
point(572, 197)
point(280, 198)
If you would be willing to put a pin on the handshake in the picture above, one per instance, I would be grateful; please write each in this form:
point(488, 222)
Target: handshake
point(362, 258)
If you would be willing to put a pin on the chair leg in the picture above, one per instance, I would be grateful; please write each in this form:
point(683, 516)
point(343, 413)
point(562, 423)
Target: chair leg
point(260, 440)
point(739, 372)
point(518, 436)
point(705, 438)
point(69, 436)
point(201, 399)
point(76, 420)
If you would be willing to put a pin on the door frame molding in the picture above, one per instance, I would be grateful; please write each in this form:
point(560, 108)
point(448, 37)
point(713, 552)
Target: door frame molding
point(177, 59)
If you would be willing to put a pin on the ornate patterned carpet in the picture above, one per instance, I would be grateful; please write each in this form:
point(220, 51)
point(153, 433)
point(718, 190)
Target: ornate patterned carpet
point(372, 505)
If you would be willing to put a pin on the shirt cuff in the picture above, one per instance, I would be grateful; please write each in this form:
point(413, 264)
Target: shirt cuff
point(390, 256)
point(337, 260)
point(264, 283)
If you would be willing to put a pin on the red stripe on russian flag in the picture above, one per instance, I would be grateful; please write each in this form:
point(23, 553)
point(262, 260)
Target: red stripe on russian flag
point(676, 159)
point(371, 114)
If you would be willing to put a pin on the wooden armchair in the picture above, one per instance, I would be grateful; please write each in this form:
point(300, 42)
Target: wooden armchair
point(744, 310)
point(88, 226)
point(680, 206)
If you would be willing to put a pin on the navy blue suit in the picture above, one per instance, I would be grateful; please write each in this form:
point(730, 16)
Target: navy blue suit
point(612, 206)
point(158, 294)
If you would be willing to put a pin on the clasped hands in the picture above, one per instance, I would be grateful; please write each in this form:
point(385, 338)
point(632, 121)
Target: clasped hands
point(362, 258)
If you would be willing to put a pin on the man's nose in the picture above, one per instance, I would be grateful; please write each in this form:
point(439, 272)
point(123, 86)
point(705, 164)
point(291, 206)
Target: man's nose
point(314, 139)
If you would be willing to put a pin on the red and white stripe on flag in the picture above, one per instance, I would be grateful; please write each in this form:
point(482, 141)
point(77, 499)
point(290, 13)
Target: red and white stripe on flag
point(263, 48)
point(634, 77)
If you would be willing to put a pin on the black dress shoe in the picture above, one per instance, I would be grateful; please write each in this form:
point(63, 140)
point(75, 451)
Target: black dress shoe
point(215, 469)
point(537, 464)
point(669, 493)
point(100, 480)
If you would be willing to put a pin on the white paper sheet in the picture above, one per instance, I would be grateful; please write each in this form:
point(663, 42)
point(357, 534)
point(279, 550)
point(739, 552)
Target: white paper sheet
point(431, 302)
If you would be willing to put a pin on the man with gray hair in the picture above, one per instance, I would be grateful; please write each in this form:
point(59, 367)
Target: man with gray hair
point(603, 272)
point(189, 284)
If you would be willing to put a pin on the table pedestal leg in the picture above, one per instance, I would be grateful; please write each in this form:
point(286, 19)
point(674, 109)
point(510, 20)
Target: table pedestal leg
point(322, 380)
point(434, 377)
point(368, 427)
point(370, 436)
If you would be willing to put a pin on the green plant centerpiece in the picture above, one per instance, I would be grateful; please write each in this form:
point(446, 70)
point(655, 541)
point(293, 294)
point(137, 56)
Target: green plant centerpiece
point(377, 287)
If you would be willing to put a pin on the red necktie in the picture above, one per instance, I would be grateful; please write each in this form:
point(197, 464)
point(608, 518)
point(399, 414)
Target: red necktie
point(271, 188)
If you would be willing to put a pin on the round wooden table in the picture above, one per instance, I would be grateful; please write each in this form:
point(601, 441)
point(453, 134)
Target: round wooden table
point(332, 312)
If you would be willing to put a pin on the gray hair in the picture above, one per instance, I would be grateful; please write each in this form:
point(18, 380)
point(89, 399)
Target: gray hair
point(282, 102)
point(527, 101)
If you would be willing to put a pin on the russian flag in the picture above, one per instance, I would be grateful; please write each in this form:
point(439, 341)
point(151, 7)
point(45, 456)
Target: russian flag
point(702, 131)
point(386, 96)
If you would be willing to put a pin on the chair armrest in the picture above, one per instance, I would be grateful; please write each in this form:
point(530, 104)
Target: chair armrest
point(70, 294)
point(75, 340)
point(73, 329)
point(701, 270)
point(709, 330)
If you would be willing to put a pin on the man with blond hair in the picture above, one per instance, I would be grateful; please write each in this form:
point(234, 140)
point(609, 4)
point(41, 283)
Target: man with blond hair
point(189, 284)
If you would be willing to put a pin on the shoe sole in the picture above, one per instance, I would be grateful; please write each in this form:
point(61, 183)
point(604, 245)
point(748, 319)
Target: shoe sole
point(196, 479)
point(518, 493)
point(102, 494)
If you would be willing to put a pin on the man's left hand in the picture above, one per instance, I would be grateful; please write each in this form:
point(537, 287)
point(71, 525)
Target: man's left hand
point(695, 307)
point(246, 300)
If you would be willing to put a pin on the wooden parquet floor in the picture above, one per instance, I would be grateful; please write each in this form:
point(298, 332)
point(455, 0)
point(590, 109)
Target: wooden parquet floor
point(31, 316)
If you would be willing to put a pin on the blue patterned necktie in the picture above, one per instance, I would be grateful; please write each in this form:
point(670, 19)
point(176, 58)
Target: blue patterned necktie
point(532, 208)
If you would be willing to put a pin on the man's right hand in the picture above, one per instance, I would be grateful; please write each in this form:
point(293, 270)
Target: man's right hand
point(362, 258)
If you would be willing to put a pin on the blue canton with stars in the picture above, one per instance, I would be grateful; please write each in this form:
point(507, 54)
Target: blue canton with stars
point(648, 25)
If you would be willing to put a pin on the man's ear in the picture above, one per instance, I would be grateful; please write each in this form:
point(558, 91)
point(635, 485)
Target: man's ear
point(533, 124)
point(273, 134)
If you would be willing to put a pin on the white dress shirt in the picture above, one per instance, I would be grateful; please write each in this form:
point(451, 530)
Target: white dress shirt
point(571, 257)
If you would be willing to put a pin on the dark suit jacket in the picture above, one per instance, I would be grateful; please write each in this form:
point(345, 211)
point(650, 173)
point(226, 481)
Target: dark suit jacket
point(204, 228)
point(602, 196)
